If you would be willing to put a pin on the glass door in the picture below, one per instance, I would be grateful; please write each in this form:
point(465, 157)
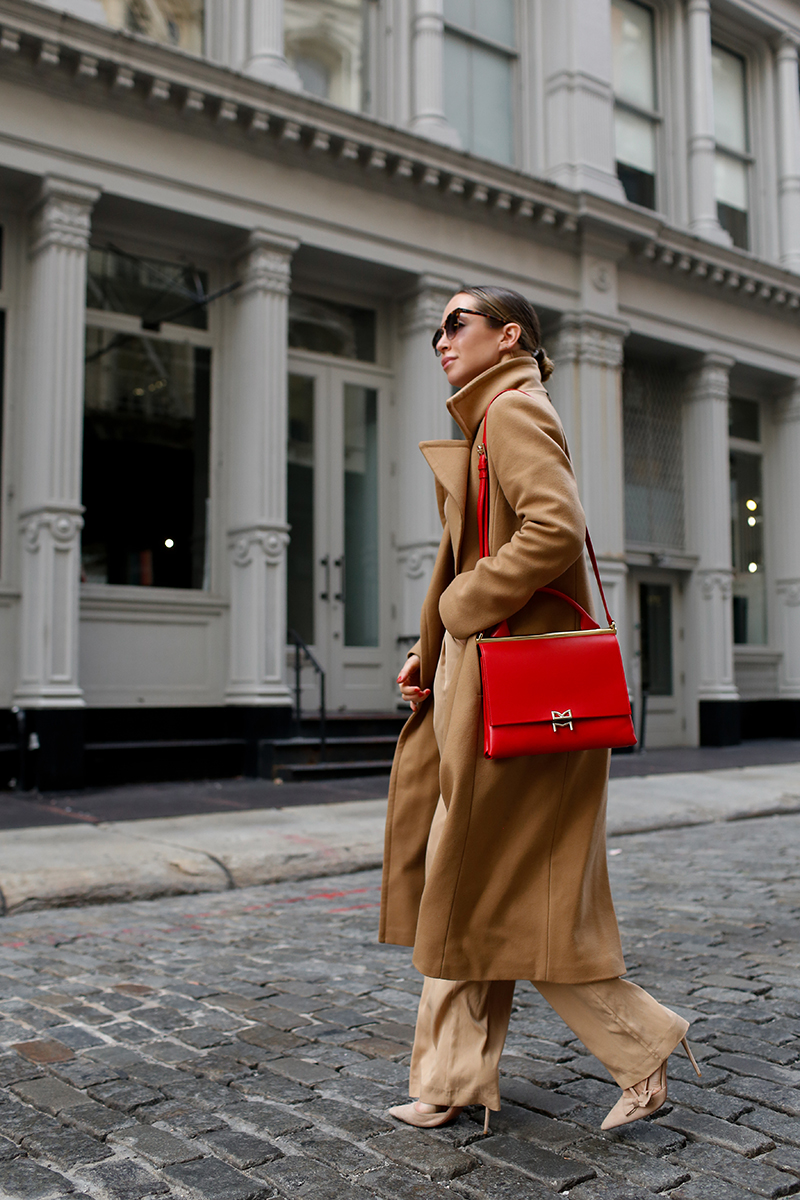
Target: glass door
point(659, 657)
point(335, 589)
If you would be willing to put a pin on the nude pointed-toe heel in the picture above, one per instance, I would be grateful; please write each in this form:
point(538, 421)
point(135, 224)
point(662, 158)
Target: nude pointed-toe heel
point(643, 1098)
point(410, 1114)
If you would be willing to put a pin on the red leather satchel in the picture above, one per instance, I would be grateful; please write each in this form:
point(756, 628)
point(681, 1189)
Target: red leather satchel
point(551, 693)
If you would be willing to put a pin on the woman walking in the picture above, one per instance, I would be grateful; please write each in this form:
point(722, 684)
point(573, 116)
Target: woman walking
point(495, 870)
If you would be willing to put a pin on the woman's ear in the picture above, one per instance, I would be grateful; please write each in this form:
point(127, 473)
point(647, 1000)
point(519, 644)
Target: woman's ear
point(511, 335)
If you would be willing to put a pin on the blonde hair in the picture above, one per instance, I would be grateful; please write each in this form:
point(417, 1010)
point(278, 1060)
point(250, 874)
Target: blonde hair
point(507, 306)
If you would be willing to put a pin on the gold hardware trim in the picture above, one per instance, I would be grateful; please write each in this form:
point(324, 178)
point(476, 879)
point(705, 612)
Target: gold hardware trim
point(563, 720)
point(532, 637)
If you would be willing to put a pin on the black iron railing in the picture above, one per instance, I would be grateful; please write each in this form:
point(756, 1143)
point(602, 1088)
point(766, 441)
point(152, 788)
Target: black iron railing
point(300, 648)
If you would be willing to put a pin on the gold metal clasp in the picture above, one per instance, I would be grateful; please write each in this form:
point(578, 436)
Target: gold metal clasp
point(562, 720)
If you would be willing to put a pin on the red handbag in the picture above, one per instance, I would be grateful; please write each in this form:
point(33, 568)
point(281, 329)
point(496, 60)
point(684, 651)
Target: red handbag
point(551, 693)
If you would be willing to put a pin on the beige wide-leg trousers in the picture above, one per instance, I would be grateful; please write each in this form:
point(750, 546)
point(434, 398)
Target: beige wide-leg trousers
point(462, 1025)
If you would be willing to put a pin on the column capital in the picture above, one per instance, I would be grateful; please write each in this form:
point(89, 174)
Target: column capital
point(596, 340)
point(62, 215)
point(698, 6)
point(710, 378)
point(786, 45)
point(266, 263)
point(787, 406)
point(423, 308)
point(270, 537)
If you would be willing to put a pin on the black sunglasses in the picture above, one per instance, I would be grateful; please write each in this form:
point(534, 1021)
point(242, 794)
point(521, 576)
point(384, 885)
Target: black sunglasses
point(453, 323)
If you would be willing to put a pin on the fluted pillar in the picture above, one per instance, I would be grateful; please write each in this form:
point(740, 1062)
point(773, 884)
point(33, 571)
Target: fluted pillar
point(422, 414)
point(427, 93)
point(264, 56)
point(708, 530)
point(587, 391)
point(257, 429)
point(789, 152)
point(786, 544)
point(50, 510)
point(703, 219)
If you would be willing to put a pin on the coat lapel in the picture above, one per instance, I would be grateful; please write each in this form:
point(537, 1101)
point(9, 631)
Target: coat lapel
point(449, 461)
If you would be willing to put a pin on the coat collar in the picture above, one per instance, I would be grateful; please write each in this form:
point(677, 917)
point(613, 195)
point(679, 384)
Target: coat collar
point(468, 406)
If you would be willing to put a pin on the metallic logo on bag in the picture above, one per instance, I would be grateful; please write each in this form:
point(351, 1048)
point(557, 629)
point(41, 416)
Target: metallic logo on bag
point(562, 720)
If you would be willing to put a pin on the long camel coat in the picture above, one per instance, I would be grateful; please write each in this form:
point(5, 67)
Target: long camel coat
point(519, 886)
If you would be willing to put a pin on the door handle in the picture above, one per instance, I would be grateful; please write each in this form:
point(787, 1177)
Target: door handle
point(326, 563)
point(341, 594)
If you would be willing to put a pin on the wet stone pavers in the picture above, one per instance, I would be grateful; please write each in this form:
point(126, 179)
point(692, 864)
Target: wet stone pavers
point(247, 1045)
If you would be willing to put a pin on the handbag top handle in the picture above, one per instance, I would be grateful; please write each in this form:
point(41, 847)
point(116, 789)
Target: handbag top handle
point(483, 519)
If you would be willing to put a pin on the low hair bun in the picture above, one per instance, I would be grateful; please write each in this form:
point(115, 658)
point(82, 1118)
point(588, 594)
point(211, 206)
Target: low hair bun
point(546, 365)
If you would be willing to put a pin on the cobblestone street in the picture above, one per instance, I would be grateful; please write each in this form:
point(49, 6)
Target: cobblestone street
point(247, 1044)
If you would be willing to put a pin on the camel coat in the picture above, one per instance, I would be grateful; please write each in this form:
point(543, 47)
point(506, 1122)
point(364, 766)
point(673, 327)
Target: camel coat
point(518, 888)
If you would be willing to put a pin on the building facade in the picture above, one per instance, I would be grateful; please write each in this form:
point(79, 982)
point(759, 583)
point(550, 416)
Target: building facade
point(228, 231)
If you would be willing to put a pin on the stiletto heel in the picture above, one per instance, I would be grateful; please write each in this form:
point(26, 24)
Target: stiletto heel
point(486, 1122)
point(645, 1097)
point(692, 1060)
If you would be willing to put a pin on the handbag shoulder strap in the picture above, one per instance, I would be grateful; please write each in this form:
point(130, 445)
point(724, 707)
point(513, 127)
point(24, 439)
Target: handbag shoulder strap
point(483, 516)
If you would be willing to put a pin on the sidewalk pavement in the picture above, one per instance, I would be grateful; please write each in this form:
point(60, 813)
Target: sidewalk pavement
point(91, 861)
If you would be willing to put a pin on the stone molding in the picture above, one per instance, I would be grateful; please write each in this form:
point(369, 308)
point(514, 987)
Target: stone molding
point(711, 379)
point(272, 539)
point(583, 339)
point(417, 559)
point(714, 582)
point(267, 264)
point(789, 592)
point(62, 216)
point(787, 408)
point(423, 310)
point(64, 526)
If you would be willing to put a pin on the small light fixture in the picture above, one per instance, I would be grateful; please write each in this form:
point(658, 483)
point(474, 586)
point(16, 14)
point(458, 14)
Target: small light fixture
point(752, 521)
point(752, 505)
point(168, 542)
point(752, 568)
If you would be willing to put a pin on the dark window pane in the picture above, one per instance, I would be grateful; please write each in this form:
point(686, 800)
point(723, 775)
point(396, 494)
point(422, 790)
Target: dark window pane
point(744, 420)
point(2, 404)
point(300, 496)
point(145, 461)
point(146, 288)
point(639, 186)
point(655, 614)
point(330, 328)
point(747, 545)
point(735, 222)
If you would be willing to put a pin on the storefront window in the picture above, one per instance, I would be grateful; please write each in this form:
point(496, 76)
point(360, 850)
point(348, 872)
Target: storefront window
point(326, 42)
point(176, 22)
point(747, 526)
point(480, 55)
point(635, 115)
point(730, 130)
point(330, 328)
point(655, 617)
point(653, 442)
point(146, 423)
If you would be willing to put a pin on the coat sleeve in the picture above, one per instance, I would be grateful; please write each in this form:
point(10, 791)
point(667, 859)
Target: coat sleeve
point(529, 465)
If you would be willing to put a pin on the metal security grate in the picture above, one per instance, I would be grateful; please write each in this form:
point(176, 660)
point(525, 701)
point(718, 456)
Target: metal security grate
point(651, 403)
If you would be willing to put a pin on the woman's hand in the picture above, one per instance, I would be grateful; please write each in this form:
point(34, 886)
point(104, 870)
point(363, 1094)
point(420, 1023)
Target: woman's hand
point(409, 683)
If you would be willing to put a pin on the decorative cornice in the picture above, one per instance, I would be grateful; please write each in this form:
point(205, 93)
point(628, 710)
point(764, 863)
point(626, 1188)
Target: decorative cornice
point(59, 53)
point(787, 407)
point(62, 215)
